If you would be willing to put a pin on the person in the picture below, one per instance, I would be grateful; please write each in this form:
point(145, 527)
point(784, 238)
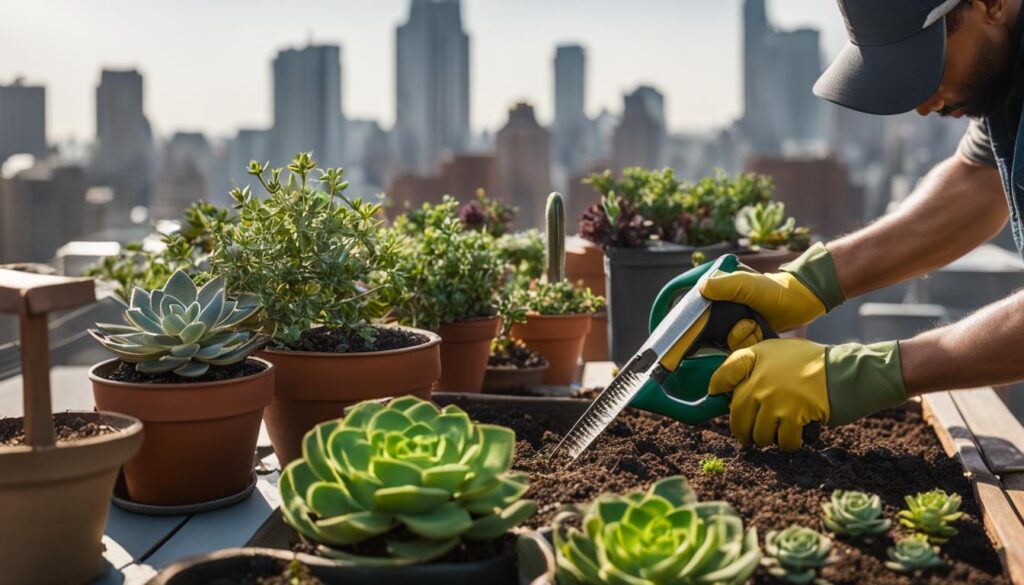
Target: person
point(946, 57)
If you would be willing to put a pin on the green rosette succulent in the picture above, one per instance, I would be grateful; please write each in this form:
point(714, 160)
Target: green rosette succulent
point(403, 469)
point(659, 537)
point(181, 328)
point(854, 514)
point(913, 554)
point(795, 554)
point(931, 514)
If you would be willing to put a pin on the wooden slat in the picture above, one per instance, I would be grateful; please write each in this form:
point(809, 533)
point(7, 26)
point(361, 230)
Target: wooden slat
point(1002, 524)
point(954, 434)
point(43, 293)
point(1013, 483)
point(998, 433)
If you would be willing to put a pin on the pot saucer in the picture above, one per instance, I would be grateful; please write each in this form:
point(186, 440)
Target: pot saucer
point(120, 499)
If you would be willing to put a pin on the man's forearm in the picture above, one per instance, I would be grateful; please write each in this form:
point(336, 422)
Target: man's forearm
point(981, 350)
point(956, 207)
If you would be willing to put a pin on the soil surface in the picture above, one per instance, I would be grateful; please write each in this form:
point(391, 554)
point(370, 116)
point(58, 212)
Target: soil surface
point(892, 454)
point(327, 340)
point(67, 426)
point(125, 372)
point(514, 355)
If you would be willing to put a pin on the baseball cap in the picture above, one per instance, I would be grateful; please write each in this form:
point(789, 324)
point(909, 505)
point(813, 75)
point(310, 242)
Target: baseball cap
point(895, 57)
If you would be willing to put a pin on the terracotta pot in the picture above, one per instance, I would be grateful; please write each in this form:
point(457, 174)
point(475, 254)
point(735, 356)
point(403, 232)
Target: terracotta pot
point(584, 262)
point(465, 346)
point(595, 347)
point(510, 380)
point(313, 387)
point(559, 338)
point(200, 438)
point(54, 503)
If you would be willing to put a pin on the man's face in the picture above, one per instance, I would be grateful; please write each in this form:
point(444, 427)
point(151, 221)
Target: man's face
point(978, 57)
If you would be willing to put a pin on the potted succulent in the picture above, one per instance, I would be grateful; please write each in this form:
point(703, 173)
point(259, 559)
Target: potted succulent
point(558, 312)
point(326, 274)
point(452, 277)
point(57, 471)
point(512, 367)
point(184, 369)
point(649, 224)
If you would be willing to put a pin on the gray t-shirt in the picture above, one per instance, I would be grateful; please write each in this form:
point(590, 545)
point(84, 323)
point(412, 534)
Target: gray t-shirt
point(975, 145)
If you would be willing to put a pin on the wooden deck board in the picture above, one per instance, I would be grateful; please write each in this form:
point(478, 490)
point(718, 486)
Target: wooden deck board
point(956, 437)
point(1002, 524)
point(1013, 483)
point(997, 431)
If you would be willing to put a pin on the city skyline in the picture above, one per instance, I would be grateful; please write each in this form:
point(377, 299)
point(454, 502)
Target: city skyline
point(217, 101)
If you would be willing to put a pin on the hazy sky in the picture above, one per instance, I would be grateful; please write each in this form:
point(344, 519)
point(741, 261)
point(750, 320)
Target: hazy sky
point(207, 62)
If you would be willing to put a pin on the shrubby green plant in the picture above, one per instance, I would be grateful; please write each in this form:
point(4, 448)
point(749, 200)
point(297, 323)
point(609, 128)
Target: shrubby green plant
point(659, 537)
point(913, 554)
point(795, 554)
point(383, 470)
point(182, 328)
point(932, 514)
point(311, 255)
point(523, 254)
point(557, 298)
point(451, 273)
point(854, 514)
point(712, 465)
point(487, 215)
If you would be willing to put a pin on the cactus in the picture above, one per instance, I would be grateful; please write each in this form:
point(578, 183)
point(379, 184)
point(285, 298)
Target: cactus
point(556, 237)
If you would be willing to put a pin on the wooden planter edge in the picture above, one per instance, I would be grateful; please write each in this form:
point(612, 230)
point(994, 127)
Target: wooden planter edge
point(964, 421)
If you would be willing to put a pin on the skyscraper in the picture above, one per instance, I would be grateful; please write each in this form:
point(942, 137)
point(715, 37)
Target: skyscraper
point(186, 175)
point(123, 154)
point(570, 127)
point(22, 120)
point(432, 84)
point(41, 209)
point(639, 139)
point(524, 165)
point(307, 105)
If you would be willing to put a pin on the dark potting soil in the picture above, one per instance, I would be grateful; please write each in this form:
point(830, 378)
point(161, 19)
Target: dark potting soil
point(515, 356)
point(465, 552)
point(68, 426)
point(257, 572)
point(892, 454)
point(125, 372)
point(327, 340)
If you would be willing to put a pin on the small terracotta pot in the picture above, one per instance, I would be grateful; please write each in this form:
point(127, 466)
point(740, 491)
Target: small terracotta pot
point(54, 503)
point(200, 438)
point(465, 346)
point(585, 263)
point(313, 387)
point(511, 380)
point(559, 338)
point(595, 347)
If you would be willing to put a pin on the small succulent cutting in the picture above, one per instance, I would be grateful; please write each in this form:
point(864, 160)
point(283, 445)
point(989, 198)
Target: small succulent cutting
point(404, 469)
point(854, 514)
point(712, 465)
point(913, 554)
point(181, 328)
point(659, 537)
point(932, 514)
point(795, 554)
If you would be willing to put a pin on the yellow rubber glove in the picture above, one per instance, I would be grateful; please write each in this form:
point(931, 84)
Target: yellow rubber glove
point(780, 385)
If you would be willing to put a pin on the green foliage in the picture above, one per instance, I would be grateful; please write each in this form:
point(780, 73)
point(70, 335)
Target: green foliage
point(524, 255)
point(487, 215)
point(404, 468)
point(187, 250)
point(181, 328)
point(931, 514)
point(451, 273)
point(557, 298)
point(309, 253)
point(854, 514)
point(913, 554)
point(714, 202)
point(765, 224)
point(795, 554)
point(659, 537)
point(555, 235)
point(712, 465)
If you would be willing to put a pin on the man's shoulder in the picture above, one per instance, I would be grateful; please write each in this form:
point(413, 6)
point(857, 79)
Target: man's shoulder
point(975, 145)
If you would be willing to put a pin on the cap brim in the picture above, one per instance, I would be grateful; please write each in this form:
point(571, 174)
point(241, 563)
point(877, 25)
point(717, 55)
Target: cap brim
point(889, 79)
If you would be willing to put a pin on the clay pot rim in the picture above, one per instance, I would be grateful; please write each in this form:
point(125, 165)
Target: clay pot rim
point(525, 370)
point(95, 377)
point(131, 426)
point(567, 317)
point(432, 340)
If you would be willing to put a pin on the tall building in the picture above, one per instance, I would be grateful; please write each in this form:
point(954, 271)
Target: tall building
point(816, 192)
point(432, 85)
point(186, 175)
point(779, 70)
point(41, 209)
point(307, 105)
point(570, 126)
point(639, 139)
point(22, 120)
point(523, 150)
point(124, 144)
point(460, 176)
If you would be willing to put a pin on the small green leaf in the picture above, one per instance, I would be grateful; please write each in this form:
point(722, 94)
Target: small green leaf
point(409, 499)
point(494, 525)
point(446, 521)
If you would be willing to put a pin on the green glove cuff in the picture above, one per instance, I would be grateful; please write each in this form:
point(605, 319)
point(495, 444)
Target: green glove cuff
point(815, 270)
point(863, 379)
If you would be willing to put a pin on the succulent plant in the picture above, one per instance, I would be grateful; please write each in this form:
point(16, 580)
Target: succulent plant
point(913, 554)
point(854, 514)
point(555, 214)
point(765, 224)
point(931, 514)
point(182, 329)
point(659, 537)
point(712, 465)
point(406, 467)
point(795, 554)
